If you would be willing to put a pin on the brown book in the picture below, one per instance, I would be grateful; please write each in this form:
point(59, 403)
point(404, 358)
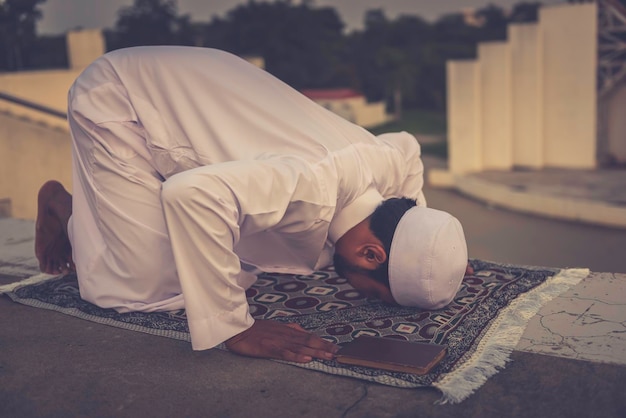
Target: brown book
point(391, 354)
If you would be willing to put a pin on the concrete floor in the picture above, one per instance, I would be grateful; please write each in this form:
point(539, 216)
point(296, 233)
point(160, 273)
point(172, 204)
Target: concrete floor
point(55, 365)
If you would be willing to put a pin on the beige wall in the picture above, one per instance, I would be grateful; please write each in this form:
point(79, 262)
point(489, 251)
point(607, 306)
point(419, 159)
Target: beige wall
point(526, 115)
point(495, 105)
point(34, 146)
point(342, 107)
point(46, 88)
point(30, 154)
point(255, 60)
point(530, 101)
point(464, 133)
point(84, 46)
point(569, 60)
point(372, 114)
point(49, 88)
point(357, 110)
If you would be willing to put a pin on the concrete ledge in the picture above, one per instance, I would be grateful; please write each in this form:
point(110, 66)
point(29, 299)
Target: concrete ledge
point(508, 196)
point(5, 208)
point(561, 207)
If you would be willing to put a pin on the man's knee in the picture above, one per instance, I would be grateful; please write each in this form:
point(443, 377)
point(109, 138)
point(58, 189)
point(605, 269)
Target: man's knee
point(197, 192)
point(183, 192)
point(178, 189)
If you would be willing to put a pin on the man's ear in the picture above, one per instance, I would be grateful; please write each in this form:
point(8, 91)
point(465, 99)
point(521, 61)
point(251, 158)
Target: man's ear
point(371, 256)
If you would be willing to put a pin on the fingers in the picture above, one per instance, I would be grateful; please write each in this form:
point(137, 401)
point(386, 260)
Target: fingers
point(295, 357)
point(296, 326)
point(320, 344)
point(469, 270)
point(302, 350)
point(290, 342)
point(312, 340)
point(302, 346)
point(307, 354)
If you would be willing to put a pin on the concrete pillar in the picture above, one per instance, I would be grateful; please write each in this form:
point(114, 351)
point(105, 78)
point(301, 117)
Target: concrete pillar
point(495, 105)
point(84, 46)
point(569, 65)
point(464, 130)
point(526, 84)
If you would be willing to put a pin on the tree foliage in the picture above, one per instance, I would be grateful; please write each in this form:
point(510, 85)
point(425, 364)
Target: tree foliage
point(301, 45)
point(17, 32)
point(400, 60)
point(150, 22)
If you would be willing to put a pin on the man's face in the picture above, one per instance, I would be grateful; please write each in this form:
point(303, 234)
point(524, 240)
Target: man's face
point(369, 287)
point(359, 253)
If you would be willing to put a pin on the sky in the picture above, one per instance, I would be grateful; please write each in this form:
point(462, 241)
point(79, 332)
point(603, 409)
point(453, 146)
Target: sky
point(62, 15)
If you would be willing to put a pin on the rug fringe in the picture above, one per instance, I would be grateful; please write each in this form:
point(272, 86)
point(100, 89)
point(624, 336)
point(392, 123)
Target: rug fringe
point(502, 337)
point(41, 277)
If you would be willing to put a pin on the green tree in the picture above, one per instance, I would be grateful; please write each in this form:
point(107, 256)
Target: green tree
point(525, 12)
point(495, 23)
point(300, 44)
point(17, 32)
point(381, 58)
point(48, 51)
point(400, 61)
point(400, 74)
point(150, 22)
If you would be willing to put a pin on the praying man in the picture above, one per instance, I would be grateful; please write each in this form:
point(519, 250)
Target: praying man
point(194, 170)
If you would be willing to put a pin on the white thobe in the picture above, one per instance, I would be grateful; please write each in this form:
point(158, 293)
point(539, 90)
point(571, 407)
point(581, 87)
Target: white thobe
point(189, 162)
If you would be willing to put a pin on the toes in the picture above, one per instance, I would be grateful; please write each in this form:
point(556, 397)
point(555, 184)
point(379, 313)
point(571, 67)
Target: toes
point(69, 264)
point(51, 268)
point(43, 266)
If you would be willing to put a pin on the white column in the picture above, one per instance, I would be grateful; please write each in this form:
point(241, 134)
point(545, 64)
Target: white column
point(526, 114)
point(569, 59)
point(84, 46)
point(464, 136)
point(495, 100)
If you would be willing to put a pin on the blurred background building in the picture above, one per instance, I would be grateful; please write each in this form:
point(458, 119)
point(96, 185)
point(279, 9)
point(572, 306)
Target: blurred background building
point(551, 95)
point(530, 86)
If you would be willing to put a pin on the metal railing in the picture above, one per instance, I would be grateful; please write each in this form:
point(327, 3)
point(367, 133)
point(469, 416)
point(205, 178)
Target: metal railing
point(611, 45)
point(32, 105)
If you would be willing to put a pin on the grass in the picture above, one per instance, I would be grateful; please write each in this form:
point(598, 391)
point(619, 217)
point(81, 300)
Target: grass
point(416, 121)
point(419, 121)
point(437, 150)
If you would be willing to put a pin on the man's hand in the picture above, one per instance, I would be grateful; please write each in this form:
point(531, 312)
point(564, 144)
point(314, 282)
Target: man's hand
point(469, 270)
point(290, 342)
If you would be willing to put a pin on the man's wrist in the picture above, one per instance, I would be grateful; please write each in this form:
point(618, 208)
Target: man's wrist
point(237, 337)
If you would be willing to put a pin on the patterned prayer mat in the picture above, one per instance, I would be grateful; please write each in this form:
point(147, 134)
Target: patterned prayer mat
point(480, 327)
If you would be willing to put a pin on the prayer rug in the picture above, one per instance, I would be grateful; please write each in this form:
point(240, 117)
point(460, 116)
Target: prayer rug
point(480, 327)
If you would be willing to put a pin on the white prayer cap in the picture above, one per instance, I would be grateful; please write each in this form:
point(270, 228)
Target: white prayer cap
point(428, 258)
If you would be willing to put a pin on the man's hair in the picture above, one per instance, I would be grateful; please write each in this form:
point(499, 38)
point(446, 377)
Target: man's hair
point(383, 224)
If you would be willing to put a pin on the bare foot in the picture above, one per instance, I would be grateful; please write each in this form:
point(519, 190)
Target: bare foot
point(52, 245)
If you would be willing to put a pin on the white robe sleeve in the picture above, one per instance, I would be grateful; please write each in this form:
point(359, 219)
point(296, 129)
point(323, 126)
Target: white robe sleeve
point(208, 210)
point(398, 170)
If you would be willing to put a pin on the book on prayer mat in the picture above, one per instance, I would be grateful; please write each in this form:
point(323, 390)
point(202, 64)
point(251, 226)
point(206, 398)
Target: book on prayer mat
point(391, 354)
